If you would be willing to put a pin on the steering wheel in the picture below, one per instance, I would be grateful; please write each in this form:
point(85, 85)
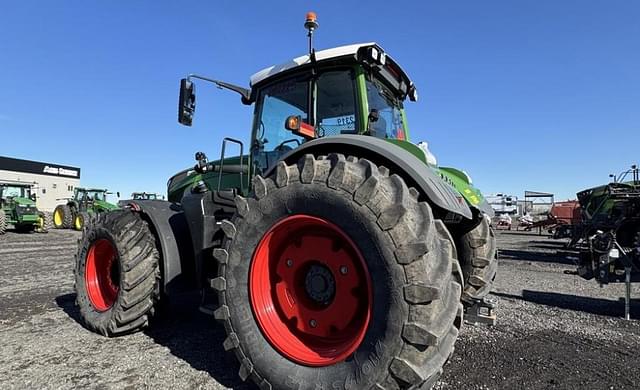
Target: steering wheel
point(281, 147)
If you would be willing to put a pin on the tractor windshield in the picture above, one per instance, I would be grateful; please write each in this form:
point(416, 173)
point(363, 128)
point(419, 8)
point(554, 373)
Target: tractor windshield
point(9, 191)
point(334, 111)
point(91, 196)
point(390, 123)
point(144, 196)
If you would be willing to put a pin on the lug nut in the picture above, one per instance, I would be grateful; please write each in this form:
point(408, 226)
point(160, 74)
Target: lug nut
point(313, 323)
point(289, 263)
point(344, 270)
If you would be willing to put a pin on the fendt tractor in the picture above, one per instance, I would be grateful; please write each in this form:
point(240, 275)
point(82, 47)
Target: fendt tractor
point(18, 208)
point(78, 211)
point(607, 242)
point(333, 253)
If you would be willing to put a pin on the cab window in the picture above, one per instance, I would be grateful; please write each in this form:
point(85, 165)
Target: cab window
point(389, 111)
point(336, 103)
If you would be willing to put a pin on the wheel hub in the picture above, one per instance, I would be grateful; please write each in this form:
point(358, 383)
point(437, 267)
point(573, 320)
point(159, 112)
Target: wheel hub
point(319, 284)
point(310, 291)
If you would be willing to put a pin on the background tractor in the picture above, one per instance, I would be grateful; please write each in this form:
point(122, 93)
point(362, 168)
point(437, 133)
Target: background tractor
point(334, 253)
point(85, 204)
point(18, 208)
point(607, 242)
point(141, 196)
point(146, 196)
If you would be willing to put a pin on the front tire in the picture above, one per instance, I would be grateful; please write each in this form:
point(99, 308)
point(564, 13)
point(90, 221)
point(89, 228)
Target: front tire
point(45, 221)
point(399, 336)
point(479, 261)
point(116, 274)
point(81, 220)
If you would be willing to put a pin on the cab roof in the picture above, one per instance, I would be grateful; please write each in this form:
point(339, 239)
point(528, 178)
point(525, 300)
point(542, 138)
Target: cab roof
point(325, 55)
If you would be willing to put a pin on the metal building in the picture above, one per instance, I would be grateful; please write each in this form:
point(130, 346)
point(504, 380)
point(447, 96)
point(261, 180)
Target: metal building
point(53, 182)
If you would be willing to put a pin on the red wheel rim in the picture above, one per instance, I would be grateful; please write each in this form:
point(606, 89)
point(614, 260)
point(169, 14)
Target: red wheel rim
point(310, 291)
point(102, 274)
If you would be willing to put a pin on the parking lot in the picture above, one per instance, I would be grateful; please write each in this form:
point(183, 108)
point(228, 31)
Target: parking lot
point(554, 330)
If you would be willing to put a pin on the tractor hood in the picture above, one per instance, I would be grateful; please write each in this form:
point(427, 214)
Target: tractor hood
point(101, 204)
point(24, 201)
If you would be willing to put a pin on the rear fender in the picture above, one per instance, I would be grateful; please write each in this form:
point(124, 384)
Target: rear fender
point(169, 226)
point(449, 204)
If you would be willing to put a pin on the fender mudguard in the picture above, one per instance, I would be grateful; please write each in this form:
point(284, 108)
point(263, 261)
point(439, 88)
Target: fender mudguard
point(169, 225)
point(397, 159)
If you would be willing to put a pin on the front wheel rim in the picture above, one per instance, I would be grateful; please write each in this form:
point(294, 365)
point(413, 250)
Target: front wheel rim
point(57, 217)
point(310, 291)
point(102, 274)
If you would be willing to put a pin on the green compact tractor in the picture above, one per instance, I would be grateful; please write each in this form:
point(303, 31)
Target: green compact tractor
point(607, 243)
point(333, 252)
point(86, 203)
point(18, 208)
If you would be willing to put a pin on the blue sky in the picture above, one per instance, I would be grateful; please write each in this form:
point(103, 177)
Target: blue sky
point(524, 95)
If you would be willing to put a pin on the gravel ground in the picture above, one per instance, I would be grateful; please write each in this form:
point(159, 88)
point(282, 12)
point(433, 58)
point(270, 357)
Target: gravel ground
point(554, 331)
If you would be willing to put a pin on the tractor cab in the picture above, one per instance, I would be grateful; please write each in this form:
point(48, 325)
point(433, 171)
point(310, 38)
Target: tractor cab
point(356, 89)
point(15, 191)
point(83, 195)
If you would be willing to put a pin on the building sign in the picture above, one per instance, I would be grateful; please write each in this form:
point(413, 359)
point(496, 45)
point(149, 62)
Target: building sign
point(38, 168)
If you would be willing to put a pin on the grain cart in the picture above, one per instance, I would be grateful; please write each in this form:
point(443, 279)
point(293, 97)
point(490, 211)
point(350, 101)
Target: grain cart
point(607, 243)
point(18, 208)
point(334, 255)
point(86, 203)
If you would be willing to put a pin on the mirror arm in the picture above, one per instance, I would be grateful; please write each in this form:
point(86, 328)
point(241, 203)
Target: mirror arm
point(244, 92)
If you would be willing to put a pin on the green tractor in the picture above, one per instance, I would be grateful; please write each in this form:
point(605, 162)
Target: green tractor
point(78, 211)
point(607, 242)
point(18, 208)
point(333, 253)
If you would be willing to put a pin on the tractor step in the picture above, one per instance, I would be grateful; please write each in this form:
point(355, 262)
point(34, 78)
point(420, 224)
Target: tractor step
point(208, 309)
point(481, 312)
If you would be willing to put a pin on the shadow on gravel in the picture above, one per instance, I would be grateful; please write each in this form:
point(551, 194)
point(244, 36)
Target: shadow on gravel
point(188, 334)
point(67, 303)
point(511, 254)
point(598, 306)
point(197, 339)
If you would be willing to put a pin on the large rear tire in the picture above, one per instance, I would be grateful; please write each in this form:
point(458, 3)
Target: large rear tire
point(479, 261)
point(62, 217)
point(334, 275)
point(116, 274)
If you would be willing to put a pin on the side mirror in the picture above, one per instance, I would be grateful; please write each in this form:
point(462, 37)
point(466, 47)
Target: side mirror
point(32, 197)
point(186, 102)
